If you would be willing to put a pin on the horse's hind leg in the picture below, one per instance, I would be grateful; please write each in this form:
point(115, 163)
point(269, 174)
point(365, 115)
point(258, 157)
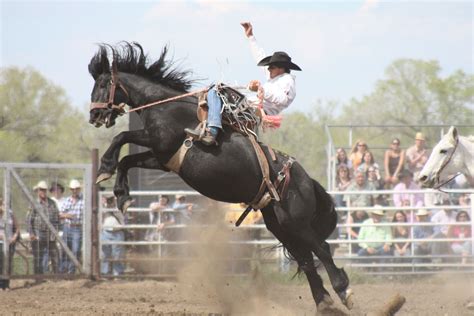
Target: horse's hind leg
point(302, 255)
point(337, 276)
point(145, 160)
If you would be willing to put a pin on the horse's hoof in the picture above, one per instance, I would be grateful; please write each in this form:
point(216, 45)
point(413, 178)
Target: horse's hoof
point(103, 177)
point(126, 205)
point(346, 298)
point(325, 303)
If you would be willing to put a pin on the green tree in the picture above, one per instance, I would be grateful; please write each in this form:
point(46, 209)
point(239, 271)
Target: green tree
point(414, 93)
point(38, 123)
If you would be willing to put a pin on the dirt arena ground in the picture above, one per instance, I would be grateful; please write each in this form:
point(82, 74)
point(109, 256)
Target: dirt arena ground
point(439, 295)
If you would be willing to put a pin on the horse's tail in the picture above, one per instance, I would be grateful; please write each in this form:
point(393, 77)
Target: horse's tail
point(325, 216)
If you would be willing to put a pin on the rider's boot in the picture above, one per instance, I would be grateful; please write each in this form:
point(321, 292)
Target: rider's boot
point(209, 138)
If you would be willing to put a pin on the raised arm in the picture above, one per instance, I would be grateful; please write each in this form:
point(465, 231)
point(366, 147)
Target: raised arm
point(257, 52)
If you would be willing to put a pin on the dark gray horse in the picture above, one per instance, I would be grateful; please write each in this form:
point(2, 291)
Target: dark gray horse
point(230, 172)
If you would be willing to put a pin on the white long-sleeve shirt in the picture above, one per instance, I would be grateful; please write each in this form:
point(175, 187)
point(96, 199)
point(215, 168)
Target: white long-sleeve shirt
point(279, 91)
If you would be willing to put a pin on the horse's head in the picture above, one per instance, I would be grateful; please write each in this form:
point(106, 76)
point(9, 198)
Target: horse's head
point(108, 93)
point(130, 68)
point(439, 166)
point(107, 100)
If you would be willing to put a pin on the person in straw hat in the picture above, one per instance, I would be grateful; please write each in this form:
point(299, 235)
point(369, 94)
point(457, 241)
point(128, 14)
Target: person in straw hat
point(382, 247)
point(274, 96)
point(417, 155)
point(72, 212)
point(43, 242)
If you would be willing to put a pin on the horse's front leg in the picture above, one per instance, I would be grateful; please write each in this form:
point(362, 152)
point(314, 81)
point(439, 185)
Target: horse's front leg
point(109, 161)
point(146, 160)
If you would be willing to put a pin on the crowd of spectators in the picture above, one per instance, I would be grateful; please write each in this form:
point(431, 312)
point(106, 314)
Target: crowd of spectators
point(359, 171)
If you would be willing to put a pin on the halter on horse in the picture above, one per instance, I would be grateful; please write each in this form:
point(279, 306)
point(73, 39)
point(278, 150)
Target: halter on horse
point(453, 155)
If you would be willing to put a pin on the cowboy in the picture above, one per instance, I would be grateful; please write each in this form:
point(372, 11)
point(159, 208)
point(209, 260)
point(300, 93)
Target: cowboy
point(274, 96)
point(417, 155)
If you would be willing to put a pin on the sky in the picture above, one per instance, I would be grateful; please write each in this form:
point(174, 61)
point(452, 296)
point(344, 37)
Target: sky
point(343, 47)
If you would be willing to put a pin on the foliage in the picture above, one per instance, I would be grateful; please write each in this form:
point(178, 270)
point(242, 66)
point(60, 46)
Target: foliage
point(411, 94)
point(302, 136)
point(38, 123)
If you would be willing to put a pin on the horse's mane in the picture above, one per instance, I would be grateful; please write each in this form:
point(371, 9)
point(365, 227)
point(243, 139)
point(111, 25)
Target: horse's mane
point(130, 58)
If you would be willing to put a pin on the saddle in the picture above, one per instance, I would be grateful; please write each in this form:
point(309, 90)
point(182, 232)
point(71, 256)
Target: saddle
point(237, 110)
point(245, 119)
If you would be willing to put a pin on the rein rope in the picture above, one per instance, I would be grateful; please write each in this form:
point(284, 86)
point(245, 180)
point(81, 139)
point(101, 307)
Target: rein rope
point(189, 94)
point(444, 166)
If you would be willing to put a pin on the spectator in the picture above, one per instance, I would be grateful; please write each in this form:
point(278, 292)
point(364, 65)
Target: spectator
point(164, 218)
point(444, 216)
point(341, 158)
point(356, 217)
point(422, 248)
point(57, 190)
point(401, 249)
point(343, 181)
point(393, 163)
point(360, 184)
point(43, 241)
point(156, 210)
point(112, 232)
point(72, 212)
point(401, 197)
point(184, 210)
point(357, 153)
point(12, 237)
point(367, 163)
point(373, 179)
point(370, 232)
point(464, 199)
point(461, 247)
point(417, 155)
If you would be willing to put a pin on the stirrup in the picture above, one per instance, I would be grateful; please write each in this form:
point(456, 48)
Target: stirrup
point(198, 132)
point(193, 133)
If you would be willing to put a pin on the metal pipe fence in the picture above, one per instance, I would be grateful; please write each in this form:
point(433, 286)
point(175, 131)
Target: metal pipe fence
point(162, 248)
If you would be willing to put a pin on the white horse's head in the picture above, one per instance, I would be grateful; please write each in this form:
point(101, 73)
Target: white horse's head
point(442, 163)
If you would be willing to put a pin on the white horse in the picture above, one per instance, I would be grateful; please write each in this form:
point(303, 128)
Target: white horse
point(452, 155)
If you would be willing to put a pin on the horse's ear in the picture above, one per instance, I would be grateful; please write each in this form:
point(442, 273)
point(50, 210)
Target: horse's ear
point(453, 132)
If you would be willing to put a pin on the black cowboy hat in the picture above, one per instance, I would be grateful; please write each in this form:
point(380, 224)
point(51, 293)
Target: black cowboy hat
point(279, 58)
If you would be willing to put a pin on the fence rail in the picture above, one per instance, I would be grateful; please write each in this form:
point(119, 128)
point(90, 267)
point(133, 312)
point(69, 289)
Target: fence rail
point(408, 264)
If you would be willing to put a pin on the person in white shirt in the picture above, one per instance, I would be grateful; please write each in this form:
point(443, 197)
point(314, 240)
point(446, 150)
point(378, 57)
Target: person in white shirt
point(275, 95)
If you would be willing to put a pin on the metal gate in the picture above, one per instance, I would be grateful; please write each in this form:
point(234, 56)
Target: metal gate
point(18, 196)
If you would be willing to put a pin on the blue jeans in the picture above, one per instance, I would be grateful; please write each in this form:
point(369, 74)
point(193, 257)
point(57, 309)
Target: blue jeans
point(379, 251)
point(112, 252)
point(44, 250)
point(72, 236)
point(215, 106)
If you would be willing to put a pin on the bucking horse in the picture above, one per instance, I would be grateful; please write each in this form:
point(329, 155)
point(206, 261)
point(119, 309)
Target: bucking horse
point(301, 220)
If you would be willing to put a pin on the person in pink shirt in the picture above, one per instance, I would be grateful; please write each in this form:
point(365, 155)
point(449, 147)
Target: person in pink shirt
point(403, 198)
point(461, 231)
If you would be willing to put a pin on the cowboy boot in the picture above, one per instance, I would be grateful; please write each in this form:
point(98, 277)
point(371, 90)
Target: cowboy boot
point(209, 138)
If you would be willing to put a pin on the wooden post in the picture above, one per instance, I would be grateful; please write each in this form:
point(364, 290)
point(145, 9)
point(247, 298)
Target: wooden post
point(95, 269)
